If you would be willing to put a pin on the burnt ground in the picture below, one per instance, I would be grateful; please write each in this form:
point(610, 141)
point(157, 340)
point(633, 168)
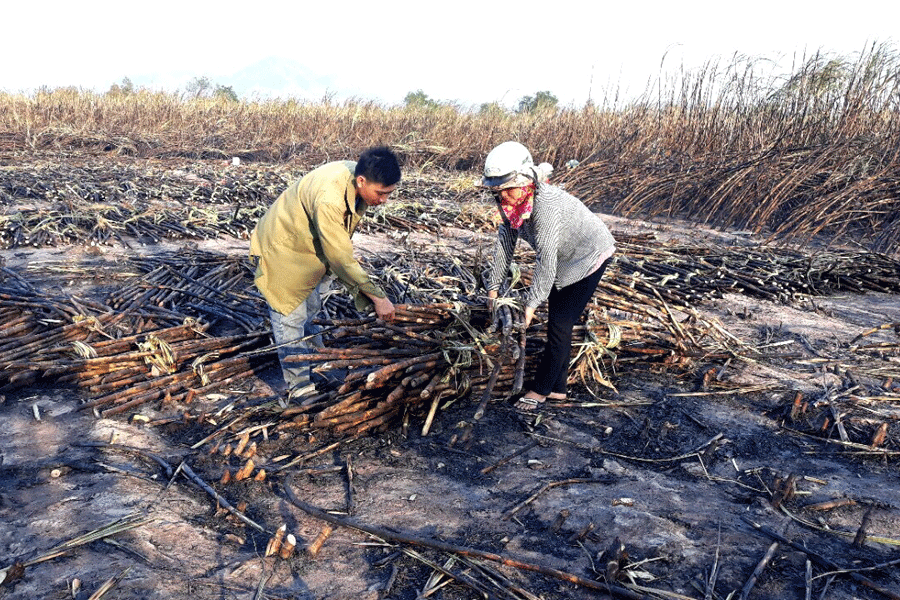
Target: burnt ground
point(674, 469)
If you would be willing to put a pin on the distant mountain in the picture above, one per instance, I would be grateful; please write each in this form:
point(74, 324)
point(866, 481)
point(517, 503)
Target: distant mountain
point(266, 79)
point(278, 78)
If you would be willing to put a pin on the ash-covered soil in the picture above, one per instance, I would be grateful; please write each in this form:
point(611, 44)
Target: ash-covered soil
point(677, 468)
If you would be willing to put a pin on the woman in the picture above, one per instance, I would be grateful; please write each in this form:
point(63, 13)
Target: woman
point(572, 246)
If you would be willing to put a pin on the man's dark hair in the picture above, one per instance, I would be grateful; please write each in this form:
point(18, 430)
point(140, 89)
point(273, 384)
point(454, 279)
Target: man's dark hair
point(378, 165)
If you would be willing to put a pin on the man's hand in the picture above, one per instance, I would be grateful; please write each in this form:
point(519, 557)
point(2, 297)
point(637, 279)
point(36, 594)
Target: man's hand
point(384, 308)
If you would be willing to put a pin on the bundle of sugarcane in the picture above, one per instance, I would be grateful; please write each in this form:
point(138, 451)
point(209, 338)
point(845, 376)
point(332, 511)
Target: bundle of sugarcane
point(143, 351)
point(32, 323)
point(172, 372)
point(383, 373)
point(385, 369)
point(123, 372)
point(81, 350)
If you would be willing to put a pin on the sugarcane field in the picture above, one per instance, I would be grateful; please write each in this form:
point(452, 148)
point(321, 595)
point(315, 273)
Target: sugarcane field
point(731, 428)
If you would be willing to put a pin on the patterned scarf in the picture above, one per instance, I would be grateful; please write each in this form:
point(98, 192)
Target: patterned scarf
point(518, 205)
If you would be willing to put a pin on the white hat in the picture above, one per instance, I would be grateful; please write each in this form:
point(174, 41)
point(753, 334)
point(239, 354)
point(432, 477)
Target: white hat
point(507, 165)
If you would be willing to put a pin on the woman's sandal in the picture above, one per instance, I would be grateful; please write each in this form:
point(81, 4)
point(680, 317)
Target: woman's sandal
point(527, 404)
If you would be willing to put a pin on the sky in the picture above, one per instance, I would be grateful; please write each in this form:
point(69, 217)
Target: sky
point(463, 51)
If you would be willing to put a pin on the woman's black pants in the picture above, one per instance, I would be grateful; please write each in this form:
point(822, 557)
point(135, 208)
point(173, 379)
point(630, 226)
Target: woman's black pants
point(564, 308)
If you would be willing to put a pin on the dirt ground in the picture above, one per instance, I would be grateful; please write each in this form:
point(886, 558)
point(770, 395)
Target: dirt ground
point(570, 481)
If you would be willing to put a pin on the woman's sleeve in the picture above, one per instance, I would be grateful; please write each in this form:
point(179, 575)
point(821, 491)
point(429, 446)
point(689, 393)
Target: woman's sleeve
point(547, 231)
point(503, 253)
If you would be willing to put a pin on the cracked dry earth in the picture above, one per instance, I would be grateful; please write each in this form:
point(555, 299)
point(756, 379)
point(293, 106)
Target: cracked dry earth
point(675, 471)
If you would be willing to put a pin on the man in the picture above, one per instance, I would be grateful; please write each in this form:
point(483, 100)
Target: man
point(303, 242)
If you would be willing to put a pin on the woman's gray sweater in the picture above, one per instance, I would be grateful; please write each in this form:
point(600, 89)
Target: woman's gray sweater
point(567, 238)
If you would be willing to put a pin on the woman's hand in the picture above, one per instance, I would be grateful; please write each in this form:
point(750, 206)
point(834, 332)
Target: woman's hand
point(529, 315)
point(491, 297)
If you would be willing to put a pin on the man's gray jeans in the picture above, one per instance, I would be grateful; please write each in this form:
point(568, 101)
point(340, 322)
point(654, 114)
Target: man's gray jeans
point(289, 332)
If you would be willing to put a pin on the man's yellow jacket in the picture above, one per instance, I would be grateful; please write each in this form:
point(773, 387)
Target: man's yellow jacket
point(306, 234)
